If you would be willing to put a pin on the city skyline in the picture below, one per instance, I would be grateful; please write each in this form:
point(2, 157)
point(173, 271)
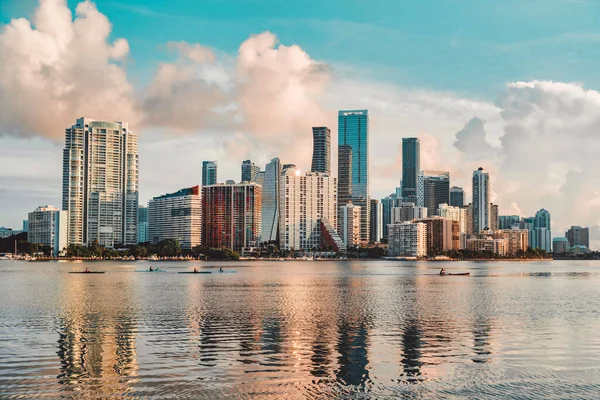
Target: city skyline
point(484, 128)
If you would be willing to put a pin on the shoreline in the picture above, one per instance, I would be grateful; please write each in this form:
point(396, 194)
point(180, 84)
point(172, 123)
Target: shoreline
point(297, 259)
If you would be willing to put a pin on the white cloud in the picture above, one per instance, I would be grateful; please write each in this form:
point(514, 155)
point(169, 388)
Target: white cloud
point(56, 68)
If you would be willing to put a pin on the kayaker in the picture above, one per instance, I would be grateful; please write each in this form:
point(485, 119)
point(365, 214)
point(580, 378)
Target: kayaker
point(86, 270)
point(443, 272)
point(151, 269)
point(195, 270)
point(221, 269)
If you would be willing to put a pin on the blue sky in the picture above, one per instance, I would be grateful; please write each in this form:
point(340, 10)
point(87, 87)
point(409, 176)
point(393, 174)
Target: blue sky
point(466, 46)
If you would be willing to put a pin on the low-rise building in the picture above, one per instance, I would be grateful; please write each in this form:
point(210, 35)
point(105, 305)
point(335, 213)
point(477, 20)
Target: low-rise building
point(516, 239)
point(176, 216)
point(440, 237)
point(560, 245)
point(47, 226)
point(407, 239)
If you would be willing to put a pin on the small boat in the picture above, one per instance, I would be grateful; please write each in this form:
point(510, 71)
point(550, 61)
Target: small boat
point(195, 272)
point(147, 270)
point(457, 274)
point(87, 272)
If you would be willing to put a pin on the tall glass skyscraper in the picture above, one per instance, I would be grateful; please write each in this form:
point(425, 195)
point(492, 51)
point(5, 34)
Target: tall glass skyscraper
point(353, 131)
point(321, 161)
point(209, 173)
point(481, 200)
point(411, 165)
point(457, 196)
point(100, 182)
point(270, 201)
point(433, 189)
point(249, 171)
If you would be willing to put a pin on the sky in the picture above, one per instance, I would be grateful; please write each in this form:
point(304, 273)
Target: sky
point(511, 86)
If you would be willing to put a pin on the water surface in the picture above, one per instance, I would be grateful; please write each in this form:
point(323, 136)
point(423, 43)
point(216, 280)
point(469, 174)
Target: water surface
point(372, 329)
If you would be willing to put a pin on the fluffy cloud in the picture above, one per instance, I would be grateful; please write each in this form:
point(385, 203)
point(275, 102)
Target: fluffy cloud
point(472, 142)
point(56, 68)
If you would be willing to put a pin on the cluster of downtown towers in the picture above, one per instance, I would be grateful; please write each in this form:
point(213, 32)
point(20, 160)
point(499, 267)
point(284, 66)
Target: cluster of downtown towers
point(279, 204)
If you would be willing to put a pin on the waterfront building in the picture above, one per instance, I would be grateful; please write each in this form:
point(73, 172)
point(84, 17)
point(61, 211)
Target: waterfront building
point(142, 224)
point(411, 165)
point(406, 212)
point(270, 202)
point(176, 216)
point(387, 205)
point(48, 226)
point(7, 232)
point(578, 236)
point(516, 240)
point(469, 212)
point(231, 215)
point(529, 224)
point(249, 171)
point(543, 230)
point(486, 242)
point(25, 225)
point(440, 236)
point(493, 217)
point(458, 214)
point(209, 173)
point(508, 221)
point(100, 183)
point(353, 131)
point(457, 196)
point(349, 225)
point(560, 245)
point(481, 200)
point(433, 189)
point(407, 239)
point(321, 161)
point(307, 205)
point(376, 221)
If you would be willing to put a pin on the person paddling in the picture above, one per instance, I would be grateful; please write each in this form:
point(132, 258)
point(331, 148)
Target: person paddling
point(151, 269)
point(195, 270)
point(86, 270)
point(443, 272)
point(221, 269)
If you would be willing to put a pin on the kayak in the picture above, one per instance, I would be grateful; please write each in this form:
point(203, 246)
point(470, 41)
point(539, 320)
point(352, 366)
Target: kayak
point(458, 274)
point(87, 272)
point(147, 270)
point(193, 272)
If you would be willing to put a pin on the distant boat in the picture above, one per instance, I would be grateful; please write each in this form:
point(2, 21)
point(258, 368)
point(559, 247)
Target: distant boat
point(195, 272)
point(147, 270)
point(456, 274)
point(87, 272)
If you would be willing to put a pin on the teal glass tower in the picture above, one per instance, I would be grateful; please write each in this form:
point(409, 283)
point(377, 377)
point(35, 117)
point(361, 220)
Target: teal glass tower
point(353, 131)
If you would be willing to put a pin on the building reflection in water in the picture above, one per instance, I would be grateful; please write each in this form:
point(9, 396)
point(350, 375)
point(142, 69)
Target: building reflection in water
point(411, 351)
point(96, 346)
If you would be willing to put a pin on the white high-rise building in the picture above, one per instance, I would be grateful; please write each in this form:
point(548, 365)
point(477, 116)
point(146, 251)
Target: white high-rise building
point(305, 200)
point(176, 216)
point(100, 182)
point(455, 214)
point(407, 239)
point(270, 200)
point(47, 225)
point(349, 224)
point(481, 201)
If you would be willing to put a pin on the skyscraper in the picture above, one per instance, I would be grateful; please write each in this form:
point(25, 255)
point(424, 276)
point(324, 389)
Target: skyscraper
point(542, 231)
point(376, 221)
point(433, 189)
point(231, 215)
point(209, 173)
point(411, 165)
point(305, 201)
point(142, 224)
point(388, 203)
point(344, 194)
point(349, 224)
point(250, 171)
point(578, 236)
point(457, 196)
point(493, 217)
point(353, 131)
point(100, 182)
point(270, 201)
point(176, 216)
point(321, 161)
point(481, 200)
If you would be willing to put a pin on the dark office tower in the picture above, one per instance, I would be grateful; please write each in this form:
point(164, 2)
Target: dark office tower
point(457, 196)
point(433, 189)
point(321, 161)
point(578, 236)
point(249, 171)
point(481, 200)
point(209, 173)
point(411, 165)
point(376, 221)
point(353, 131)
